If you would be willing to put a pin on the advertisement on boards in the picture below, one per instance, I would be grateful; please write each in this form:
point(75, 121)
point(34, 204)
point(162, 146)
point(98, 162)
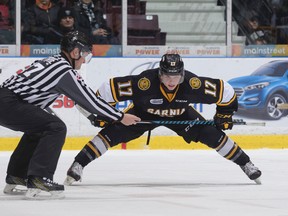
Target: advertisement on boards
point(139, 51)
point(46, 50)
point(185, 51)
point(260, 84)
point(7, 50)
point(260, 92)
point(260, 50)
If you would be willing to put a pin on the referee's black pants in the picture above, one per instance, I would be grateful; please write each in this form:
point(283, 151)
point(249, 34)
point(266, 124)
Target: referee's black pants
point(39, 149)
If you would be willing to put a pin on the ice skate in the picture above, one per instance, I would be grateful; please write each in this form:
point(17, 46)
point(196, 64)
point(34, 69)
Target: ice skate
point(74, 173)
point(43, 188)
point(252, 172)
point(15, 185)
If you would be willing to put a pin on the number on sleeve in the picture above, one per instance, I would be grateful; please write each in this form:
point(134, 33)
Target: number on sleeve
point(210, 88)
point(125, 88)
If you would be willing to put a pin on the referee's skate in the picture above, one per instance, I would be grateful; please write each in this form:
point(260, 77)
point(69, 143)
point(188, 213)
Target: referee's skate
point(43, 188)
point(15, 185)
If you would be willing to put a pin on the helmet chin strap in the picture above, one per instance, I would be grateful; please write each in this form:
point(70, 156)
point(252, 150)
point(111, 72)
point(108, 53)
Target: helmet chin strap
point(74, 60)
point(73, 63)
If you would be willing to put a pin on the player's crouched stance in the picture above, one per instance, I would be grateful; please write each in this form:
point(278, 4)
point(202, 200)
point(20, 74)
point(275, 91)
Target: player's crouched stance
point(166, 93)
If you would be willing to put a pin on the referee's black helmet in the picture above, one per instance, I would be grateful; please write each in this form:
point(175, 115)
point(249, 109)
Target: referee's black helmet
point(76, 39)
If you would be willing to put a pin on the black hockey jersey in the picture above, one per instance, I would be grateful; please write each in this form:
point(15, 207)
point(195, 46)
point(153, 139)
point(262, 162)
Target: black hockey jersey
point(149, 96)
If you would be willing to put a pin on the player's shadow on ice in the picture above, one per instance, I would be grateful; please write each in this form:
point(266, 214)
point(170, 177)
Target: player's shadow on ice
point(187, 185)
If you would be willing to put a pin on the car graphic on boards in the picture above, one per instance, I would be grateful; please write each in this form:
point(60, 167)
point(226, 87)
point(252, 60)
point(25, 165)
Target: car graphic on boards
point(263, 89)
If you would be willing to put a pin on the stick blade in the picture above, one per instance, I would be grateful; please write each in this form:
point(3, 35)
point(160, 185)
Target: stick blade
point(282, 106)
point(256, 124)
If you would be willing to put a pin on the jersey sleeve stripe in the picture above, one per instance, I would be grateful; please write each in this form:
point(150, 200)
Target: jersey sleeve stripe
point(228, 103)
point(114, 95)
point(220, 92)
point(228, 94)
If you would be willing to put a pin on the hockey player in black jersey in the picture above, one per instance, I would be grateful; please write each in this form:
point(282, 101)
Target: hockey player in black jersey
point(165, 93)
point(24, 97)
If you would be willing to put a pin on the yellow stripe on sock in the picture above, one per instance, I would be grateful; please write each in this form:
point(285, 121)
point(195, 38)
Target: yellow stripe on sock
point(93, 149)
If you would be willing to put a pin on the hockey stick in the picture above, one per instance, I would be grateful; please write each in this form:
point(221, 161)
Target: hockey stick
point(92, 117)
point(200, 122)
point(83, 111)
point(52, 112)
point(283, 106)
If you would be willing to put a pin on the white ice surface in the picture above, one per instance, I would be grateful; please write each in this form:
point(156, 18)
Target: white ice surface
point(162, 183)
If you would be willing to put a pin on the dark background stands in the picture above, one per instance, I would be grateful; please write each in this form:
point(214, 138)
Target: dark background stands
point(7, 22)
point(90, 20)
point(65, 24)
point(41, 18)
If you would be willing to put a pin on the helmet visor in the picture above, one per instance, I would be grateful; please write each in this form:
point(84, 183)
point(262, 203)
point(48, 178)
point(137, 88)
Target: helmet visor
point(87, 56)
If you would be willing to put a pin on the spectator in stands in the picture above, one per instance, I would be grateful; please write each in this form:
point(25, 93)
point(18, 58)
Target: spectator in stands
point(66, 23)
point(7, 28)
point(41, 18)
point(90, 20)
point(257, 35)
point(5, 18)
point(279, 20)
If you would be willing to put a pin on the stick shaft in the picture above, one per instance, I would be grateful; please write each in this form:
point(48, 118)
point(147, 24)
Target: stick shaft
point(200, 122)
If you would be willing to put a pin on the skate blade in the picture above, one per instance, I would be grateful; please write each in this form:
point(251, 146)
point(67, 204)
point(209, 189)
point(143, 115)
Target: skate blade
point(11, 189)
point(258, 181)
point(38, 194)
point(69, 181)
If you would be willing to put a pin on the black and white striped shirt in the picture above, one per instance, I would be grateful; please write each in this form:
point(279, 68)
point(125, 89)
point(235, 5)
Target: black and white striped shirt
point(44, 80)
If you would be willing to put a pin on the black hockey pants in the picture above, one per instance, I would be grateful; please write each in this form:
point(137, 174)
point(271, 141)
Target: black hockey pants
point(44, 134)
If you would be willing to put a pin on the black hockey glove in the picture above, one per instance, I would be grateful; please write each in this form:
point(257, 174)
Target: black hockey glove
point(97, 122)
point(223, 121)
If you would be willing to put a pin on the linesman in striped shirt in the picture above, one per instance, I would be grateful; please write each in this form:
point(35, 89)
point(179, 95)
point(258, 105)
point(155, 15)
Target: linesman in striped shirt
point(24, 98)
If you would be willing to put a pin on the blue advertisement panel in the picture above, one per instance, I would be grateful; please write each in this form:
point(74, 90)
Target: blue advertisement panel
point(46, 50)
point(260, 50)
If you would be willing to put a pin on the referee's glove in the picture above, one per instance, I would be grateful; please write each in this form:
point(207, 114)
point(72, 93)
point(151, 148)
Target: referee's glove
point(223, 121)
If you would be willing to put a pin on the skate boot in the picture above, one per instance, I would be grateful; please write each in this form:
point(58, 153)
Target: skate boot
point(252, 172)
point(15, 185)
point(36, 185)
point(74, 173)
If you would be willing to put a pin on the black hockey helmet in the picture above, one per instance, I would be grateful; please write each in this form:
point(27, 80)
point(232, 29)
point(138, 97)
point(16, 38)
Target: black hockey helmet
point(75, 39)
point(171, 64)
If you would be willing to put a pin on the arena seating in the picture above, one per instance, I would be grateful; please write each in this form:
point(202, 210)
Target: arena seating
point(181, 22)
point(134, 7)
point(142, 29)
point(192, 22)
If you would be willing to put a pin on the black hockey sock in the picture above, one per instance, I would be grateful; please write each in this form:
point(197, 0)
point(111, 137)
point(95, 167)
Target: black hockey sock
point(92, 150)
point(85, 156)
point(242, 159)
point(231, 151)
